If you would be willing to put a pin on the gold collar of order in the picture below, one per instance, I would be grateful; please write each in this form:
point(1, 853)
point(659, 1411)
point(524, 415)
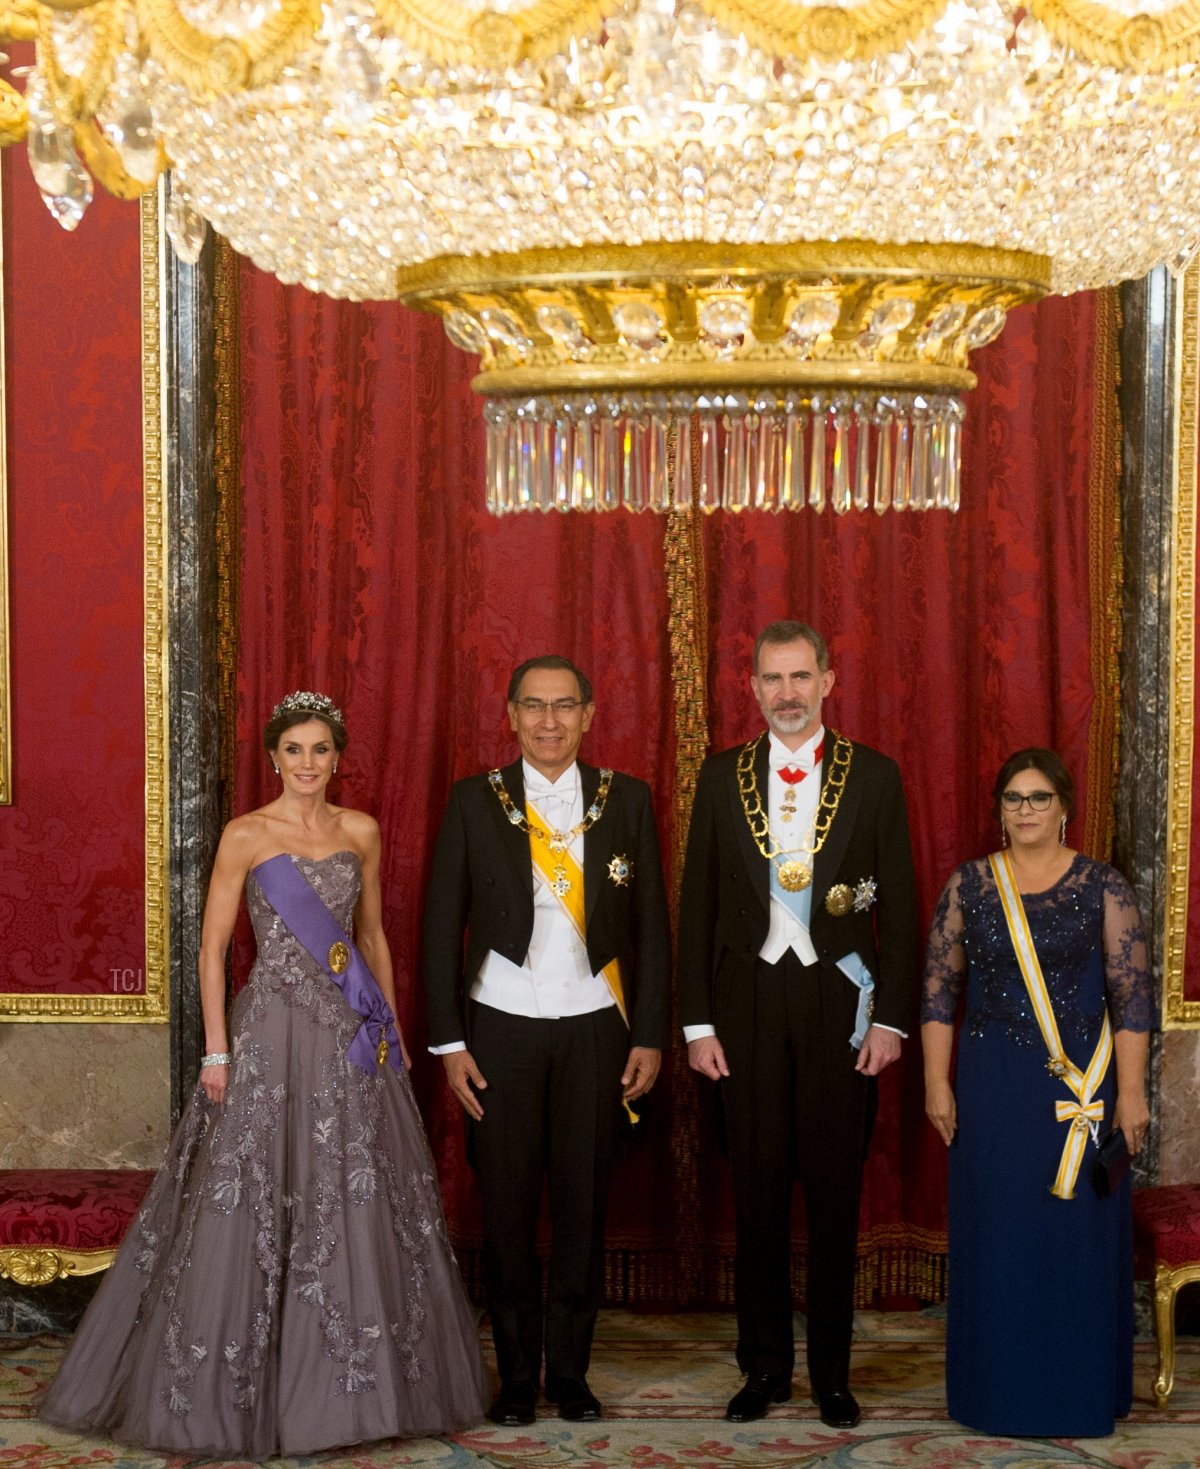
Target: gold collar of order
point(794, 875)
point(557, 841)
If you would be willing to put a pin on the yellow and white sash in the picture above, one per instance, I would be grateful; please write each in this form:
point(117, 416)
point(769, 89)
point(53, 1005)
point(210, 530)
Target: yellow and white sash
point(572, 900)
point(1083, 1115)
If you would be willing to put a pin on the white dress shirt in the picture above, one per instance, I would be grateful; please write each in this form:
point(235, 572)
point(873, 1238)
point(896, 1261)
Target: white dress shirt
point(785, 930)
point(556, 978)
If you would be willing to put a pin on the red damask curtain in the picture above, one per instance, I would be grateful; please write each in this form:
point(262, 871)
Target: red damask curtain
point(368, 568)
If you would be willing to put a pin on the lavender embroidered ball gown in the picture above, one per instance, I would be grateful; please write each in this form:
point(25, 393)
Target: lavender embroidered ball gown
point(288, 1285)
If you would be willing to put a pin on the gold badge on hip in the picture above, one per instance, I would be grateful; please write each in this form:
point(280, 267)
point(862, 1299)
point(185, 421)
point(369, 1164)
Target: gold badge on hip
point(620, 870)
point(339, 957)
point(381, 1053)
point(839, 900)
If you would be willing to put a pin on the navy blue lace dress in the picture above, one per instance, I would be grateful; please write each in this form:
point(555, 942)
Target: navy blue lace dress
point(1039, 1336)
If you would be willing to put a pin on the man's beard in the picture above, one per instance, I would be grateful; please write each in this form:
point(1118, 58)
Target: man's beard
point(789, 721)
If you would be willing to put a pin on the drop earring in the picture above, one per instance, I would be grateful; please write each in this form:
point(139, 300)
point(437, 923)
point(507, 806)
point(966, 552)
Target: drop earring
point(1062, 833)
point(1003, 835)
point(275, 768)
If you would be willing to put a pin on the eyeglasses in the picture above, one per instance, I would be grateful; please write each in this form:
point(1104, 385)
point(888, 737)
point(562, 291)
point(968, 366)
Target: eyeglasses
point(1038, 800)
point(538, 707)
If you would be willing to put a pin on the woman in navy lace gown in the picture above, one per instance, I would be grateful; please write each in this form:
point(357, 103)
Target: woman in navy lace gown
point(1039, 1336)
point(288, 1285)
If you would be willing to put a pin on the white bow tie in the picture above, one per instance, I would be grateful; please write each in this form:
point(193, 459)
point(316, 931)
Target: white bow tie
point(543, 791)
point(799, 760)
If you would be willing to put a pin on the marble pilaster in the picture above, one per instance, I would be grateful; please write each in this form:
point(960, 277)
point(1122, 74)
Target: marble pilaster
point(195, 800)
point(1149, 406)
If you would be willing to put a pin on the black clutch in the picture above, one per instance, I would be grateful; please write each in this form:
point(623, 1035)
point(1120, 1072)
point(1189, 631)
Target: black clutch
point(1112, 1163)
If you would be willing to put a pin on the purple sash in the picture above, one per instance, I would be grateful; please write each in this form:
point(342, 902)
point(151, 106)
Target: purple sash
point(298, 903)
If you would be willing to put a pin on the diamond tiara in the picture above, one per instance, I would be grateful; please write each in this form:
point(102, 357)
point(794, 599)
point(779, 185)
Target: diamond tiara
point(305, 702)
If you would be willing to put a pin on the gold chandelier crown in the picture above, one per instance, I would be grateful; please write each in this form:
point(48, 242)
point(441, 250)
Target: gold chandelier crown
point(723, 252)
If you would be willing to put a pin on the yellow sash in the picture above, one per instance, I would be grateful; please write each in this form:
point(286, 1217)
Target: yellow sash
point(1083, 1114)
point(570, 896)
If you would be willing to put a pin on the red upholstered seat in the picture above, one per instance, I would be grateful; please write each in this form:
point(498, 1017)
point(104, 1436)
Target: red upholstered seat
point(68, 1208)
point(1166, 1226)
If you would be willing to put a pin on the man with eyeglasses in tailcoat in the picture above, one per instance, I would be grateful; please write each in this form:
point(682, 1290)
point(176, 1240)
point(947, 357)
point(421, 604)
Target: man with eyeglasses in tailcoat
point(554, 1021)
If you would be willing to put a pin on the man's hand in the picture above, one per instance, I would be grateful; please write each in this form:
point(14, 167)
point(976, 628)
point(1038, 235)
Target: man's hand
point(640, 1072)
point(707, 1056)
point(880, 1048)
point(462, 1073)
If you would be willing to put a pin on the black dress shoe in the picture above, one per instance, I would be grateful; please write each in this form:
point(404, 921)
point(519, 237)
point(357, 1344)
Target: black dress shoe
point(513, 1406)
point(761, 1390)
point(839, 1409)
point(576, 1401)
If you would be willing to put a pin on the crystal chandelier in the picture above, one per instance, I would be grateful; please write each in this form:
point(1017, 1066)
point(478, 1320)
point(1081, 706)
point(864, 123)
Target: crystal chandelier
point(709, 252)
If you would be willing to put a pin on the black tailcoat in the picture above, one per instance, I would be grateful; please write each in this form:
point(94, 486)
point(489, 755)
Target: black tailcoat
point(793, 1102)
point(482, 884)
point(552, 1100)
point(726, 896)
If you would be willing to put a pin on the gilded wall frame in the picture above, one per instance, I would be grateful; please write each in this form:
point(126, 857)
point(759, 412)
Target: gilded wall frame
point(1180, 1013)
point(5, 696)
point(152, 1004)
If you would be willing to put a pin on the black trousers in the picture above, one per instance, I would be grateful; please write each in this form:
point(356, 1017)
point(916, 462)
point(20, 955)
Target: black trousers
point(550, 1114)
point(794, 1106)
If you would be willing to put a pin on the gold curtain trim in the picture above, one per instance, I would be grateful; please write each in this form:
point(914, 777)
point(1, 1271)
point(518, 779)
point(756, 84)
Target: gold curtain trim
point(1105, 579)
point(683, 552)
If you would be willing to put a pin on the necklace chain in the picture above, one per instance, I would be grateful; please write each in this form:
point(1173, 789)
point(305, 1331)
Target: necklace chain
point(558, 841)
point(831, 796)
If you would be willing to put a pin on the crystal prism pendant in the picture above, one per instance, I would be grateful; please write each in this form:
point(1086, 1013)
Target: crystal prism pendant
point(135, 137)
point(65, 184)
point(49, 149)
point(186, 229)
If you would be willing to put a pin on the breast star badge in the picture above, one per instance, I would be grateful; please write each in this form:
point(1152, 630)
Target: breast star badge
point(620, 870)
point(864, 894)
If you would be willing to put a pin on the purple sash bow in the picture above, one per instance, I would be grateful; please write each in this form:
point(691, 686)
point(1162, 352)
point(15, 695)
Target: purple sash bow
point(298, 903)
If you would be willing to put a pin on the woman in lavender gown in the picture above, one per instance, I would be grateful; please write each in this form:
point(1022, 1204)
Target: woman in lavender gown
point(1039, 1336)
point(288, 1285)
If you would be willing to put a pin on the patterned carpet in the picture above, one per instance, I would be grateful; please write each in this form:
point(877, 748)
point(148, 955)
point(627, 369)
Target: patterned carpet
point(664, 1381)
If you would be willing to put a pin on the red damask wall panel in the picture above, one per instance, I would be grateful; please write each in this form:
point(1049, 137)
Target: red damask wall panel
point(72, 843)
